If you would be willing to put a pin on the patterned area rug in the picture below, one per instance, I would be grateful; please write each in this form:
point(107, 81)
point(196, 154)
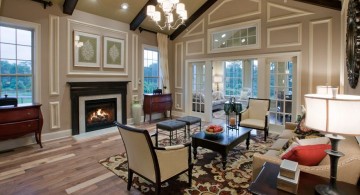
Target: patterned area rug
point(208, 175)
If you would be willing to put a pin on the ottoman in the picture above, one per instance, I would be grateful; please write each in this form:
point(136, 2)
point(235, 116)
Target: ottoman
point(190, 120)
point(171, 125)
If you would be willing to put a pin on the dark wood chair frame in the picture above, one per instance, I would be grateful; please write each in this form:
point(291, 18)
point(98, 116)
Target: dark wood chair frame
point(155, 160)
point(266, 130)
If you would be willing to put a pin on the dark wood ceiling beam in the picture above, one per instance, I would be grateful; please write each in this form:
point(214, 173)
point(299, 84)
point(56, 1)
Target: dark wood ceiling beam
point(332, 4)
point(192, 18)
point(140, 17)
point(69, 6)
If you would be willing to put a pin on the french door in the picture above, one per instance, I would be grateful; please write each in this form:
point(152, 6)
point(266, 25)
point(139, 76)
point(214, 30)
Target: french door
point(199, 83)
point(281, 91)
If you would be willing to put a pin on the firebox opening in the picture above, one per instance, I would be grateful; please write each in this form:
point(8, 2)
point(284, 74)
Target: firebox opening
point(100, 114)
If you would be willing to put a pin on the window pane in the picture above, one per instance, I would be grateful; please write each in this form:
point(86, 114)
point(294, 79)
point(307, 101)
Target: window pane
point(7, 51)
point(7, 35)
point(150, 84)
point(24, 67)
point(252, 31)
point(23, 37)
point(24, 53)
point(24, 86)
point(8, 85)
point(8, 67)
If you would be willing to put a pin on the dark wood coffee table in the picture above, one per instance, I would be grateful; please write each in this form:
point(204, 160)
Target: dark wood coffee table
point(265, 183)
point(224, 143)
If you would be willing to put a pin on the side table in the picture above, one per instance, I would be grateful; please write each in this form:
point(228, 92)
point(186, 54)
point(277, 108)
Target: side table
point(265, 183)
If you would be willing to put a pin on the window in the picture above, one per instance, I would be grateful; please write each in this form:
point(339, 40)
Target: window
point(233, 77)
point(242, 36)
point(241, 75)
point(151, 70)
point(254, 78)
point(16, 63)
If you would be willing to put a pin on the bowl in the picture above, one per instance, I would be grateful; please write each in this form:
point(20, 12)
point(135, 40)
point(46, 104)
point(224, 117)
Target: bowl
point(213, 131)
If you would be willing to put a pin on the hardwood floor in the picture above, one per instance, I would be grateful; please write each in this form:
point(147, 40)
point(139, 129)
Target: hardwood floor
point(64, 166)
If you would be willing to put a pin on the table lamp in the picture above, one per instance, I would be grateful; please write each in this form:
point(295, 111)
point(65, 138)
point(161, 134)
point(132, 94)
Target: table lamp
point(337, 114)
point(217, 80)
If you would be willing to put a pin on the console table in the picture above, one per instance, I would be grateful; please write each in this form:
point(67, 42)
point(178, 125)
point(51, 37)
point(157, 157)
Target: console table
point(21, 120)
point(157, 103)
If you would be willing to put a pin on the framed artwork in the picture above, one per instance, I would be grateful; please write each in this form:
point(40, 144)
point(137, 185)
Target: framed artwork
point(113, 53)
point(86, 49)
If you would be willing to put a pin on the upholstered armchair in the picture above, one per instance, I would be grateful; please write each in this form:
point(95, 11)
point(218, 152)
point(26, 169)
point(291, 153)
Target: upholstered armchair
point(256, 115)
point(157, 165)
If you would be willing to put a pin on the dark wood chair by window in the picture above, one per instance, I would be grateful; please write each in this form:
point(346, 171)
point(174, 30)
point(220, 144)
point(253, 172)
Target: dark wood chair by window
point(256, 115)
point(157, 165)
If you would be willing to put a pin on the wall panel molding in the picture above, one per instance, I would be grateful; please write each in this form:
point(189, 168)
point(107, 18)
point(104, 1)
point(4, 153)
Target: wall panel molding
point(179, 63)
point(135, 61)
point(296, 42)
point(178, 101)
point(193, 44)
point(312, 58)
point(54, 23)
point(289, 12)
point(235, 16)
point(198, 29)
point(54, 115)
point(135, 98)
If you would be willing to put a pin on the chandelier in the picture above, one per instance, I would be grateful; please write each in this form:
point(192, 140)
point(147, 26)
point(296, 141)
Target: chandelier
point(168, 6)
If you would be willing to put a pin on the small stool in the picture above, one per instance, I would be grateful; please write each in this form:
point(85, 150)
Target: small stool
point(171, 125)
point(190, 120)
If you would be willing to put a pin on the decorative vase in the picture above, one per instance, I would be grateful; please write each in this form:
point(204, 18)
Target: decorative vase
point(136, 112)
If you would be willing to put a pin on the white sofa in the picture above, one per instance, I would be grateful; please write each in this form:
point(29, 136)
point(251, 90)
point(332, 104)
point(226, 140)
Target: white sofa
point(218, 101)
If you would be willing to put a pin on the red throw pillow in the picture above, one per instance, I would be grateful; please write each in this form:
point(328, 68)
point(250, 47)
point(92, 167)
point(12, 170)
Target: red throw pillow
point(310, 155)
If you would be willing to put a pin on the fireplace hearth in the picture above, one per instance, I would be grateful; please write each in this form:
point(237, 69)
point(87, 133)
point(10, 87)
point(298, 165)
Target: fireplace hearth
point(100, 114)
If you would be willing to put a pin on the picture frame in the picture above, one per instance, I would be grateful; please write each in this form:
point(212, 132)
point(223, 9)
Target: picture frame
point(86, 49)
point(114, 50)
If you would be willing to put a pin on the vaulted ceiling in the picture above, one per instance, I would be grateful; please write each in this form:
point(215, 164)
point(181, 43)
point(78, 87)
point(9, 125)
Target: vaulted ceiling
point(135, 15)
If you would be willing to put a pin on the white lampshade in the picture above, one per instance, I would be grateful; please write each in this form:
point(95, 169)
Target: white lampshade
point(157, 16)
point(339, 115)
point(150, 10)
point(167, 6)
point(217, 79)
point(327, 90)
point(180, 7)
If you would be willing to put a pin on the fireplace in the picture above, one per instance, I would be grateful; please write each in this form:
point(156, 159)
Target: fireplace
point(100, 114)
point(81, 92)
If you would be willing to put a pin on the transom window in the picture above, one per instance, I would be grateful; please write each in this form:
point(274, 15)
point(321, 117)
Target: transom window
point(16, 63)
point(234, 38)
point(242, 36)
point(151, 70)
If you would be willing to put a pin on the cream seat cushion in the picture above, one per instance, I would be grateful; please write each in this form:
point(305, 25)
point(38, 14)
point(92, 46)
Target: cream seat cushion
point(253, 123)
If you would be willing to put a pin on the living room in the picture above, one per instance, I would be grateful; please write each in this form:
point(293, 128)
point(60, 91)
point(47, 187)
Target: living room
point(311, 38)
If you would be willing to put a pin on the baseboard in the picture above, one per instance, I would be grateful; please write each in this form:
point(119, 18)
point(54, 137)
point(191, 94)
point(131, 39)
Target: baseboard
point(30, 139)
point(178, 114)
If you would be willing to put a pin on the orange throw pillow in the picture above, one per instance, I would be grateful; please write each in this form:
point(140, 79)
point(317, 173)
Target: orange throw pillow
point(310, 155)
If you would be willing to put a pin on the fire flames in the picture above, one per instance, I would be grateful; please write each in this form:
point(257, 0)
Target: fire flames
point(98, 116)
